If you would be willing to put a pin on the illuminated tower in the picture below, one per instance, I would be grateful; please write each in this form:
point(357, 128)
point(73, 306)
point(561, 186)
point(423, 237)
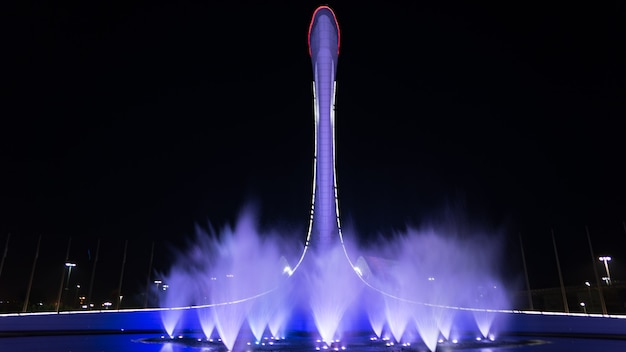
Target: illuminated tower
point(324, 229)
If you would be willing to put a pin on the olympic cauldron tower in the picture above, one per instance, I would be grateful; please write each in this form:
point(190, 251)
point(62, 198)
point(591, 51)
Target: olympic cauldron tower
point(324, 228)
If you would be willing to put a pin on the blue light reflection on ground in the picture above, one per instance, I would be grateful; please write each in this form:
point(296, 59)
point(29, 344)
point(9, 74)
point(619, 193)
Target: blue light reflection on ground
point(129, 342)
point(85, 343)
point(576, 345)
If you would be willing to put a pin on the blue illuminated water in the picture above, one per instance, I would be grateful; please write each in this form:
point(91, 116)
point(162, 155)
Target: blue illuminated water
point(419, 285)
point(132, 342)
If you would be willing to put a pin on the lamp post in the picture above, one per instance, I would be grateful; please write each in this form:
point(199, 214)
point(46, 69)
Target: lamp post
point(67, 258)
point(76, 300)
point(606, 261)
point(158, 282)
point(69, 273)
point(588, 284)
point(582, 304)
point(595, 273)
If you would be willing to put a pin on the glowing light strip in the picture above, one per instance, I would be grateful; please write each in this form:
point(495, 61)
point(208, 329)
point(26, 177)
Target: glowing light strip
point(147, 310)
point(310, 230)
point(332, 128)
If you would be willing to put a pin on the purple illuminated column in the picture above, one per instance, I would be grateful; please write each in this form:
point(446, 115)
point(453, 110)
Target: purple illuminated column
point(324, 51)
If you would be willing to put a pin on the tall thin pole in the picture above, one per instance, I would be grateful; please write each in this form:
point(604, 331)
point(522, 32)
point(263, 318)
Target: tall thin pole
point(93, 274)
point(32, 274)
point(624, 225)
point(67, 258)
point(119, 287)
point(145, 302)
point(595, 272)
point(6, 249)
point(558, 267)
point(530, 297)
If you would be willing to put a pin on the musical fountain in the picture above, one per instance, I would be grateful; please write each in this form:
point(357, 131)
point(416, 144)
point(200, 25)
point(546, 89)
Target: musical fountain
point(435, 288)
point(409, 288)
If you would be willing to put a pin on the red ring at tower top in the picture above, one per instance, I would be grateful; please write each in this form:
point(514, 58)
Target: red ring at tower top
point(313, 20)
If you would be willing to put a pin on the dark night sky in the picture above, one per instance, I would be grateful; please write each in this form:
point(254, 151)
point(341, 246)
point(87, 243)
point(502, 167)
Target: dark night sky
point(135, 121)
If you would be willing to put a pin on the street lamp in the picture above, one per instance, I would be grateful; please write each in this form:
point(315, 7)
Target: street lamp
point(76, 296)
point(606, 261)
point(69, 272)
point(588, 284)
point(582, 304)
point(158, 282)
